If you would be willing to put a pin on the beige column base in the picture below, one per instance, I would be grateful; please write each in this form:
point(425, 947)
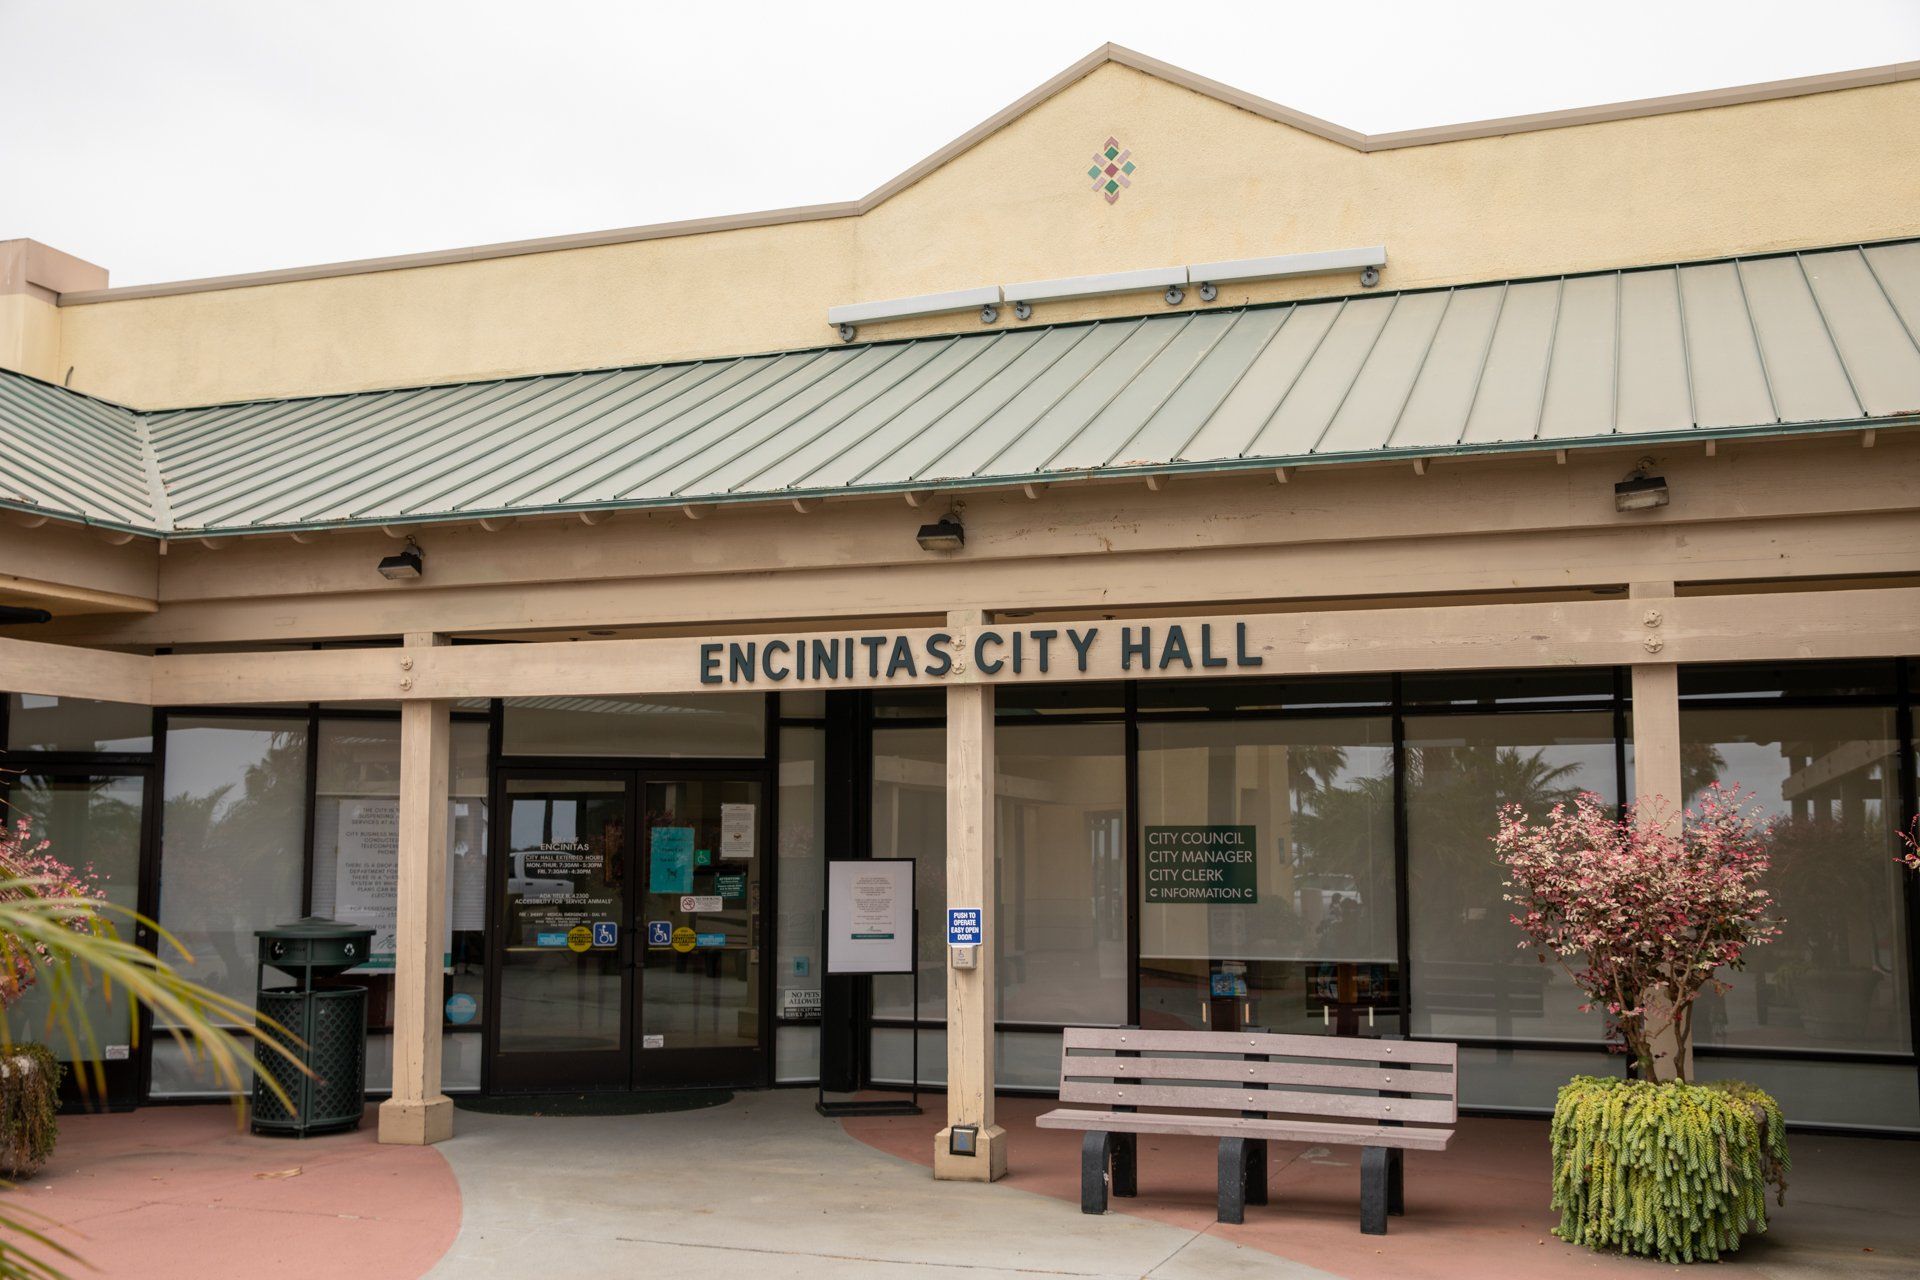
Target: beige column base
point(989, 1165)
point(416, 1124)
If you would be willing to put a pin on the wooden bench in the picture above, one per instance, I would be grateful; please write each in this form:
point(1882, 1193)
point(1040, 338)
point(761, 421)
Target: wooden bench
point(1382, 1096)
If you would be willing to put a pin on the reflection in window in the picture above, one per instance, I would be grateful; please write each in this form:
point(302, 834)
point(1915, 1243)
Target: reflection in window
point(910, 821)
point(803, 820)
point(356, 817)
point(1470, 975)
point(1315, 948)
point(1061, 841)
point(230, 854)
point(91, 824)
point(1060, 838)
point(695, 724)
point(40, 722)
point(1828, 780)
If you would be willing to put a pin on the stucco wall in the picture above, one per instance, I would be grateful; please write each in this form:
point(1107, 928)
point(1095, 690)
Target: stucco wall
point(30, 336)
point(1214, 182)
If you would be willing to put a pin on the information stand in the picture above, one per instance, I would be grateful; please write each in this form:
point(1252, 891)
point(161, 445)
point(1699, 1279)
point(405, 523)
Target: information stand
point(871, 925)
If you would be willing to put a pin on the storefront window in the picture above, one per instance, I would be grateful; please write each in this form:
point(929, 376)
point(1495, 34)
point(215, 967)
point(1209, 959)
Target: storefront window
point(660, 725)
point(1827, 779)
point(803, 820)
point(92, 824)
point(232, 829)
point(1471, 977)
point(1061, 927)
point(37, 722)
point(1061, 839)
point(910, 821)
point(1267, 875)
point(356, 821)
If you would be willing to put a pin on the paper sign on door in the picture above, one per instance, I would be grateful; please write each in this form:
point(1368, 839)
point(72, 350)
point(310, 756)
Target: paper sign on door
point(736, 831)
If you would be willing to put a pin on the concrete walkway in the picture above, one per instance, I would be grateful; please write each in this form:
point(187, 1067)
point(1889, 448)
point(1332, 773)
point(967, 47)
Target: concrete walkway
point(765, 1187)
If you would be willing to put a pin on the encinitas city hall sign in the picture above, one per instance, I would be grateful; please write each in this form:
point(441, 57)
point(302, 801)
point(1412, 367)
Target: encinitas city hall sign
point(991, 651)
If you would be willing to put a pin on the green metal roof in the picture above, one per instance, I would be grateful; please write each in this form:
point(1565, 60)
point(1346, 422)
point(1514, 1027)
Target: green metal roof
point(1815, 341)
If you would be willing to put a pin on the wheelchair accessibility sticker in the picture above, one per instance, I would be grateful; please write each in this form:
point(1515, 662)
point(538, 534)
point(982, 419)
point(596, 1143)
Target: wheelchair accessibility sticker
point(659, 933)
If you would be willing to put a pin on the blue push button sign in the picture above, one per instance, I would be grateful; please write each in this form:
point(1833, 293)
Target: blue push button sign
point(963, 926)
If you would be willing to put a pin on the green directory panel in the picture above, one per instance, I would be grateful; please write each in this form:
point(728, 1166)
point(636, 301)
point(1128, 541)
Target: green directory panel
point(1201, 864)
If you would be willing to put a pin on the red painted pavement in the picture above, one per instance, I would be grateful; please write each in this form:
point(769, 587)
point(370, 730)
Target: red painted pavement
point(168, 1192)
point(1477, 1210)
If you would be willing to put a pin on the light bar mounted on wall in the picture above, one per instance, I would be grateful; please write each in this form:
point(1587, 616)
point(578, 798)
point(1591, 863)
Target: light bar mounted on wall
point(1172, 281)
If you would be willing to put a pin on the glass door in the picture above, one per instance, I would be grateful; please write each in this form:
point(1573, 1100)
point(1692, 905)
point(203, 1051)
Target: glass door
point(621, 961)
point(562, 973)
point(94, 823)
point(701, 1009)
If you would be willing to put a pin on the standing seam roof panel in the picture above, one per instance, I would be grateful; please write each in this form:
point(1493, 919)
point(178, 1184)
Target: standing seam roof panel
point(1821, 340)
point(1873, 344)
point(878, 459)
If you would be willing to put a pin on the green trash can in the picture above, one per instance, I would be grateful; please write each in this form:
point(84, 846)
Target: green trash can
point(332, 1023)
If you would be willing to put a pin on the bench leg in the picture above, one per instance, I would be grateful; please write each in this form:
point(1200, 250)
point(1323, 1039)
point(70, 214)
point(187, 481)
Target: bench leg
point(1233, 1181)
point(1396, 1182)
point(1126, 1164)
point(1374, 1178)
point(1256, 1171)
point(1095, 1148)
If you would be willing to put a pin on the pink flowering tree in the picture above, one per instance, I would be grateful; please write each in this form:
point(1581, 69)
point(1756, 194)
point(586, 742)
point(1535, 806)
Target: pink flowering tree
point(1910, 842)
point(1644, 912)
point(29, 873)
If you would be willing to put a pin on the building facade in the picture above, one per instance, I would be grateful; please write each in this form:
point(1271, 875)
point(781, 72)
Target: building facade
point(1173, 523)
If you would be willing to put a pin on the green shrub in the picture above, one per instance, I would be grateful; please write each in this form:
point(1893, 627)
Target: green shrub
point(29, 1109)
point(1673, 1171)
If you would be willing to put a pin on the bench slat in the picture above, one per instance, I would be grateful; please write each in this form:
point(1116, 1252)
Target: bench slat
point(1215, 1098)
point(1329, 1075)
point(1331, 1134)
point(1322, 1048)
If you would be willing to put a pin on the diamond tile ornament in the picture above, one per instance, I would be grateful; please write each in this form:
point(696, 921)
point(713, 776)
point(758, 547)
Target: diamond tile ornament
point(1112, 166)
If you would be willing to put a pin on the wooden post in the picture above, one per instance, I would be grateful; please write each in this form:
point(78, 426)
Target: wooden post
point(418, 1113)
point(1657, 776)
point(970, 883)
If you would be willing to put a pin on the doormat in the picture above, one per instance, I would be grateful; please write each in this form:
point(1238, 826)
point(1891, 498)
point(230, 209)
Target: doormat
point(595, 1104)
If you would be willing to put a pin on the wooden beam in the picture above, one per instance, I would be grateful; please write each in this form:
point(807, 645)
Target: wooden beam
point(971, 994)
point(68, 671)
point(1729, 628)
point(65, 600)
point(419, 1112)
point(1829, 547)
point(1462, 499)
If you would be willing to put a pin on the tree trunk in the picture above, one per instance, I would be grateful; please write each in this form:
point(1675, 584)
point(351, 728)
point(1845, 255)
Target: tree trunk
point(1668, 1042)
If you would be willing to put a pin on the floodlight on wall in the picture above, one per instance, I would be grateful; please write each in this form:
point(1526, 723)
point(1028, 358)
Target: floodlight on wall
point(403, 566)
point(1641, 490)
point(944, 534)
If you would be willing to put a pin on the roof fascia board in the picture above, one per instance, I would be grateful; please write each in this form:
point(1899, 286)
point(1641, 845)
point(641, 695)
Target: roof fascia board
point(1733, 96)
point(1211, 467)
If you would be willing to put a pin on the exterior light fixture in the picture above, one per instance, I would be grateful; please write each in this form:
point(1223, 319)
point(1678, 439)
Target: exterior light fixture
point(10, 614)
point(963, 1140)
point(944, 534)
point(1640, 491)
point(404, 567)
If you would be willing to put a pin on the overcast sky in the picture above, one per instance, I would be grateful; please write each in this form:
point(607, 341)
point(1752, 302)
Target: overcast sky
point(169, 139)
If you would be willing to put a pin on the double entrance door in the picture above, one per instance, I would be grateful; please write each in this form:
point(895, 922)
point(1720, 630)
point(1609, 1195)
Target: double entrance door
point(628, 936)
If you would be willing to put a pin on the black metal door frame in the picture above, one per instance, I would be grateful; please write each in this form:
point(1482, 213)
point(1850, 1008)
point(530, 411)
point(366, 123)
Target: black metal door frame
point(630, 1067)
point(122, 1082)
